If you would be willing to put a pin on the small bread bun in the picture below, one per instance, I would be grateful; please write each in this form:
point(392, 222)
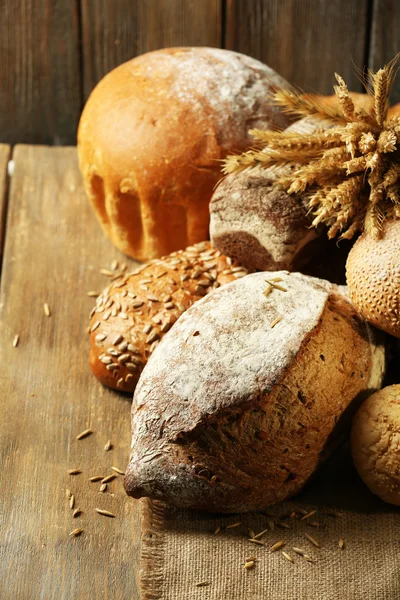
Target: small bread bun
point(152, 135)
point(133, 313)
point(375, 443)
point(373, 278)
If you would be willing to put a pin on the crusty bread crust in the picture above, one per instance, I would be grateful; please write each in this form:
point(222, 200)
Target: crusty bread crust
point(132, 314)
point(152, 135)
point(234, 409)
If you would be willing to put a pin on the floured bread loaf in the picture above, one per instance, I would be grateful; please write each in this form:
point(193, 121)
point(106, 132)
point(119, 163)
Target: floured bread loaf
point(240, 402)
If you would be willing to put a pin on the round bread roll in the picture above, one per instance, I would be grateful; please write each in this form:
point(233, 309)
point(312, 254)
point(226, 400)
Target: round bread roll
point(375, 443)
point(373, 278)
point(152, 135)
point(132, 314)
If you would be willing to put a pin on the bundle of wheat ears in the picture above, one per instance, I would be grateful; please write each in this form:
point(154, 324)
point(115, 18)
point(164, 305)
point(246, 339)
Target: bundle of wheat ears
point(350, 171)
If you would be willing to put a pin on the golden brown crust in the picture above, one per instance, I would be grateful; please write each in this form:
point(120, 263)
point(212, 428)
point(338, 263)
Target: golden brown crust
point(373, 278)
point(375, 439)
point(136, 310)
point(151, 138)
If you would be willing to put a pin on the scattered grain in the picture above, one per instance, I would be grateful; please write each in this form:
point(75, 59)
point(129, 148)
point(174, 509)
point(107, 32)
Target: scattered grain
point(341, 544)
point(108, 478)
point(275, 285)
point(76, 532)
point(287, 556)
point(84, 434)
point(107, 272)
point(312, 540)
point(72, 502)
point(46, 309)
point(259, 535)
point(96, 478)
point(103, 487)
point(74, 471)
point(308, 515)
point(76, 513)
point(93, 294)
point(203, 583)
point(249, 564)
point(276, 321)
point(68, 493)
point(108, 446)
point(234, 525)
point(118, 470)
point(277, 546)
point(218, 529)
point(15, 341)
point(256, 542)
point(299, 551)
point(105, 513)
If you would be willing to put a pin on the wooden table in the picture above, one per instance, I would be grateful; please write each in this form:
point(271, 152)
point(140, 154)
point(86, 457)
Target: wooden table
point(53, 251)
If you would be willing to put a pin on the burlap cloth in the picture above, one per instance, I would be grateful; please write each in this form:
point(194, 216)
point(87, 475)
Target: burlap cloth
point(181, 550)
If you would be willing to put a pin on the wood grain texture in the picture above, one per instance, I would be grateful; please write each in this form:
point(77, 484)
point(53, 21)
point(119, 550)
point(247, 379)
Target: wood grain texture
point(5, 152)
point(40, 95)
point(53, 253)
point(306, 41)
point(114, 32)
point(385, 38)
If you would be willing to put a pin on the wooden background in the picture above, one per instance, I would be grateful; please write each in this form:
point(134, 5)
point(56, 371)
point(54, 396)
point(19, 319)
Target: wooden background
point(53, 52)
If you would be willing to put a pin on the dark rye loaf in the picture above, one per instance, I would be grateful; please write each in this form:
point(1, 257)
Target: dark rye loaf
point(234, 408)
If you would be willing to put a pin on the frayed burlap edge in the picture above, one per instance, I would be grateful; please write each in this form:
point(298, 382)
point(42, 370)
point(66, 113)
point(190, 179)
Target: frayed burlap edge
point(152, 549)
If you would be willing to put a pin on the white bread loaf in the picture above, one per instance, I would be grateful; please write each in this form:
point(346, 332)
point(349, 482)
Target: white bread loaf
point(240, 402)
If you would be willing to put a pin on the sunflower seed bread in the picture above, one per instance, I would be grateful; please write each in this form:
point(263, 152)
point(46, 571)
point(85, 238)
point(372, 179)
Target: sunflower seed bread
point(249, 392)
point(136, 310)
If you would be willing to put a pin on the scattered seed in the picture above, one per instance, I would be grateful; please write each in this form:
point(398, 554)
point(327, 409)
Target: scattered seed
point(288, 557)
point(341, 544)
point(259, 535)
point(74, 471)
point(72, 501)
point(137, 304)
point(256, 542)
point(68, 493)
point(308, 558)
point(93, 294)
point(76, 532)
point(107, 272)
point(275, 285)
point(114, 265)
point(308, 515)
point(251, 533)
point(218, 529)
point(249, 564)
point(284, 525)
point(299, 551)
point(76, 512)
point(277, 545)
point(100, 337)
point(108, 446)
point(96, 478)
point(46, 309)
point(120, 383)
point(108, 478)
point(105, 513)
point(152, 337)
point(202, 583)
point(118, 470)
point(302, 511)
point(84, 434)
point(250, 558)
point(234, 525)
point(106, 360)
point(312, 540)
point(94, 326)
point(276, 321)
point(103, 487)
point(117, 339)
point(15, 341)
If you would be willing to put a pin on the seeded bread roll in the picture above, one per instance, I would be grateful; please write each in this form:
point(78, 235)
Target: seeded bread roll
point(245, 396)
point(133, 313)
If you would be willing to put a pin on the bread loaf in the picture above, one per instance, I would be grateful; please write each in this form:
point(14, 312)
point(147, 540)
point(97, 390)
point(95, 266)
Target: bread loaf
point(151, 137)
point(242, 399)
point(135, 311)
point(254, 220)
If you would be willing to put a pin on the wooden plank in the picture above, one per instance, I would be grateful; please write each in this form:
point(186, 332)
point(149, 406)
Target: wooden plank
point(114, 32)
point(385, 36)
point(306, 41)
point(5, 152)
point(53, 252)
point(40, 97)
